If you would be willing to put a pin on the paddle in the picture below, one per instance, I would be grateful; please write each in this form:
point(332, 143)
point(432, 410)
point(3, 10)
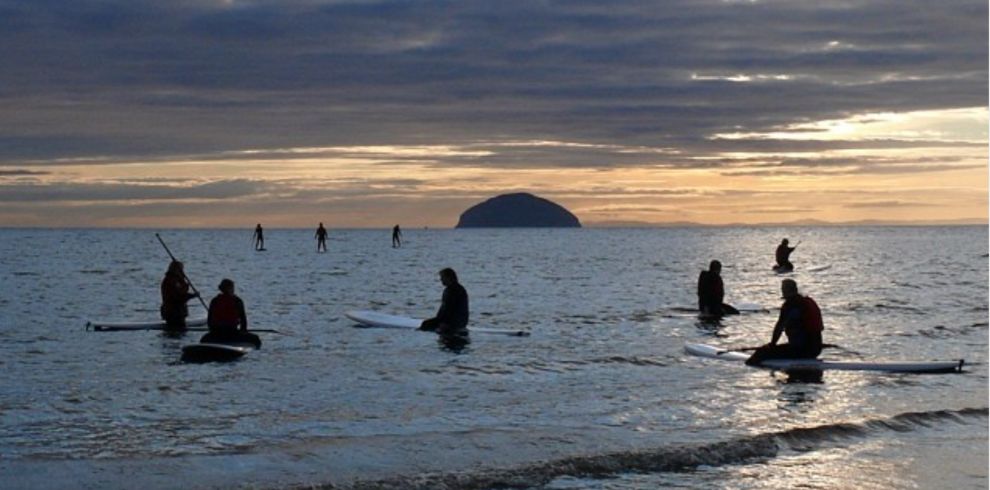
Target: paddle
point(200, 297)
point(184, 276)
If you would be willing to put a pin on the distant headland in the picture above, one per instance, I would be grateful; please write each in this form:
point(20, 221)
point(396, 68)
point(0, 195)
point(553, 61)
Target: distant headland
point(519, 210)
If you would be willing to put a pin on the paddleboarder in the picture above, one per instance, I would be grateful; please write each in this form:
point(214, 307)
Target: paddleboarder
point(175, 293)
point(452, 316)
point(259, 237)
point(227, 319)
point(711, 292)
point(396, 237)
point(321, 238)
point(801, 320)
point(783, 256)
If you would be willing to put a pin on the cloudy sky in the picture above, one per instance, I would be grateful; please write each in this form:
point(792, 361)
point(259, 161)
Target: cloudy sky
point(370, 113)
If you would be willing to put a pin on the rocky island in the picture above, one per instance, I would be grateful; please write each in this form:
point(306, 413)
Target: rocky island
point(519, 210)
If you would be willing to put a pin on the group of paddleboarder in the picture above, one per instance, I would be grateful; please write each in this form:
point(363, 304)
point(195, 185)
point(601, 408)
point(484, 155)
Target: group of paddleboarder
point(321, 238)
point(800, 317)
point(226, 316)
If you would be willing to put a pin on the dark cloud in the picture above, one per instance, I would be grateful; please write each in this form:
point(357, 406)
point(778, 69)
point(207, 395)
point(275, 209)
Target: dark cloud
point(129, 192)
point(19, 172)
point(140, 78)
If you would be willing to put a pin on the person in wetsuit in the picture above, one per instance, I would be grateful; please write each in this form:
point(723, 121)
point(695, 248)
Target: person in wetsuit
point(452, 316)
point(396, 237)
point(321, 238)
point(711, 292)
point(801, 320)
point(783, 256)
point(227, 319)
point(175, 293)
point(259, 237)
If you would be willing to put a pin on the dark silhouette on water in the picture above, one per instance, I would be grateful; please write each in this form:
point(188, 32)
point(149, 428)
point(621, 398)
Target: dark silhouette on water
point(711, 292)
point(783, 257)
point(227, 319)
point(396, 237)
point(259, 237)
point(175, 294)
point(452, 316)
point(321, 238)
point(801, 320)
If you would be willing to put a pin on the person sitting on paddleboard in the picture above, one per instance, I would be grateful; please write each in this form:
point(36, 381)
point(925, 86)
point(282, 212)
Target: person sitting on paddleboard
point(227, 319)
point(783, 256)
point(711, 292)
point(801, 320)
point(452, 317)
point(175, 294)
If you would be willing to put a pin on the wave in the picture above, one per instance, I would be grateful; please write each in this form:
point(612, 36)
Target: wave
point(670, 459)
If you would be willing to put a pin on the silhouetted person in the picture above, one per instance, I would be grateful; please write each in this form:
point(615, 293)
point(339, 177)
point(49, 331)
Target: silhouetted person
point(227, 319)
point(321, 238)
point(452, 316)
point(711, 292)
point(783, 256)
point(801, 320)
point(259, 237)
point(175, 293)
point(396, 236)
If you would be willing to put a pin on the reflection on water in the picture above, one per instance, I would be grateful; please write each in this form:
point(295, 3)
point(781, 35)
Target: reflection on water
point(603, 376)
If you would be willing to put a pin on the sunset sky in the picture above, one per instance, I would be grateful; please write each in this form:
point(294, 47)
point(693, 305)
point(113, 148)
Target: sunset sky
point(196, 113)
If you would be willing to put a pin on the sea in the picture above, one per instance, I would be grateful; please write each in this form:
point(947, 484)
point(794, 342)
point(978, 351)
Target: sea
point(601, 395)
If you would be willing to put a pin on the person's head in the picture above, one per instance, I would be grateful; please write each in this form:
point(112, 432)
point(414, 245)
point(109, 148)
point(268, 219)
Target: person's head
point(448, 276)
point(788, 288)
point(175, 267)
point(715, 266)
point(321, 224)
point(784, 241)
point(226, 286)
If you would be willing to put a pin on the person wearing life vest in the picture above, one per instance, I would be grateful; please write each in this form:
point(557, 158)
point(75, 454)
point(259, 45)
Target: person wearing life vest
point(711, 292)
point(801, 320)
point(175, 293)
point(227, 319)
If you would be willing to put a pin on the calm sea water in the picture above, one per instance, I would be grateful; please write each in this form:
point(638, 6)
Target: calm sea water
point(601, 396)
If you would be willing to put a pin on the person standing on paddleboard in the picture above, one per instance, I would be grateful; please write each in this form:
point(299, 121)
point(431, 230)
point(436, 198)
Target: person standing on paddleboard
point(321, 238)
point(801, 320)
point(175, 293)
point(452, 317)
point(227, 318)
point(259, 237)
point(396, 237)
point(711, 292)
point(783, 256)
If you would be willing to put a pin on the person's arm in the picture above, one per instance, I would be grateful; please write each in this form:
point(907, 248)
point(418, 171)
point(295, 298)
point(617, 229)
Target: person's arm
point(242, 313)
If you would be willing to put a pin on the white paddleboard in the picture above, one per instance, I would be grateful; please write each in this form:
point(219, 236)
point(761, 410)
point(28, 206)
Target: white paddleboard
point(370, 318)
point(702, 350)
point(141, 325)
point(819, 268)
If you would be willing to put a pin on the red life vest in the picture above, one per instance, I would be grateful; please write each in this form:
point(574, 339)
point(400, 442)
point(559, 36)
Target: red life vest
point(811, 316)
point(224, 311)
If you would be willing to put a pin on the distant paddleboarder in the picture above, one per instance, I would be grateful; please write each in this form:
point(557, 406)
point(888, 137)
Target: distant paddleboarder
point(801, 320)
point(259, 237)
point(175, 293)
point(711, 292)
point(396, 237)
point(227, 318)
point(452, 317)
point(321, 238)
point(783, 256)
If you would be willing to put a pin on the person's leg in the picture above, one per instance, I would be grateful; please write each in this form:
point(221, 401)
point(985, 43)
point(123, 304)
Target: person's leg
point(779, 351)
point(430, 324)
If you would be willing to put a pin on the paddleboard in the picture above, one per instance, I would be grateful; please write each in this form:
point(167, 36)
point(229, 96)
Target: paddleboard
point(702, 350)
point(819, 268)
point(192, 323)
point(782, 270)
point(206, 352)
point(376, 319)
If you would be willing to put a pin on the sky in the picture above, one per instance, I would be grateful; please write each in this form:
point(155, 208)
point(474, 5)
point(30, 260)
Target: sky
point(213, 113)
